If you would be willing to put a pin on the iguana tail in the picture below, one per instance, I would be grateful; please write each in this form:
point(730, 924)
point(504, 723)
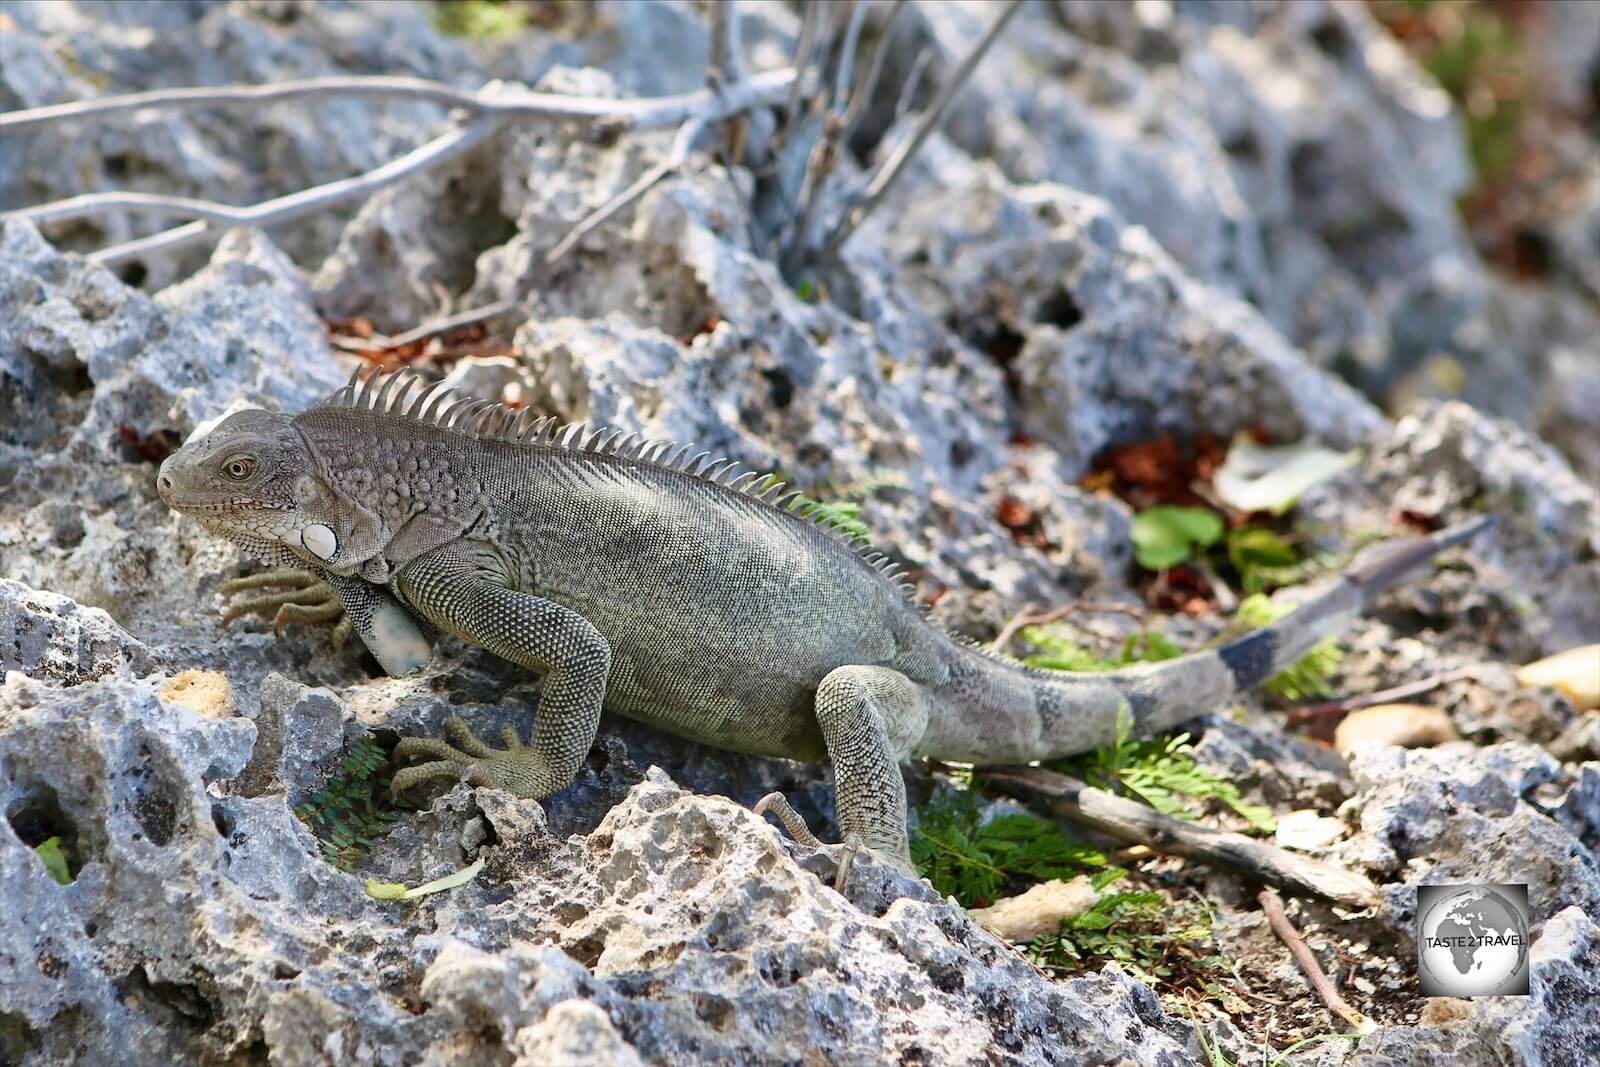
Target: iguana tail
point(1026, 714)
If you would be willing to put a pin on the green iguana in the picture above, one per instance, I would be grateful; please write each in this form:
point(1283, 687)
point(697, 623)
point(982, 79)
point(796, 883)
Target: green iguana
point(673, 589)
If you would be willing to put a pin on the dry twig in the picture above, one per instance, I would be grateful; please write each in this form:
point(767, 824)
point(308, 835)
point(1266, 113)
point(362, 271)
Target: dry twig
point(886, 175)
point(1311, 712)
point(491, 107)
point(1272, 905)
point(1029, 616)
point(1129, 820)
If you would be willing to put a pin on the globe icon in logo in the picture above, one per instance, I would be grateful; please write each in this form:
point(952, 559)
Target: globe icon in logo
point(1474, 940)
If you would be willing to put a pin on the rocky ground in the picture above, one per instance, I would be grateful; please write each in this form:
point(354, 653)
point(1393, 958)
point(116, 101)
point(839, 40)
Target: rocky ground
point(1187, 218)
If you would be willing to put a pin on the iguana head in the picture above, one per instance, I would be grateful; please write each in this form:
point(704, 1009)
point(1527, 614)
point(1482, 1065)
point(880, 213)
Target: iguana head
point(253, 479)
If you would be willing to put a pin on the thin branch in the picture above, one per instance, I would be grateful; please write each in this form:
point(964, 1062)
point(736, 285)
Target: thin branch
point(448, 324)
point(1311, 712)
point(723, 68)
point(802, 56)
point(908, 92)
point(869, 85)
point(493, 99)
point(1278, 919)
point(1028, 616)
point(500, 107)
point(681, 147)
point(884, 180)
point(452, 143)
point(1129, 820)
point(847, 54)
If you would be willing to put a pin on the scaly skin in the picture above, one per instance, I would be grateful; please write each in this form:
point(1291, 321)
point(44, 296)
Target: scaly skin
point(667, 589)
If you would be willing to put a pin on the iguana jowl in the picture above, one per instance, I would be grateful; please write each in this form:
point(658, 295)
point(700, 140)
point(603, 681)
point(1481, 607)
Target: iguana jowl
point(673, 590)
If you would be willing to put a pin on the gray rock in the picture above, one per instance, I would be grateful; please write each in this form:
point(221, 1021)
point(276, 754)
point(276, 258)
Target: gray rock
point(746, 944)
point(48, 636)
point(1459, 815)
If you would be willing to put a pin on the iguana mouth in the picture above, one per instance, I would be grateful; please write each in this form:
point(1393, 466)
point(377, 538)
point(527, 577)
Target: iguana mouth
point(232, 504)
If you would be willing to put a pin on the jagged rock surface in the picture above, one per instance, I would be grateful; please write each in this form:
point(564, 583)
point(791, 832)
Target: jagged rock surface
point(1130, 226)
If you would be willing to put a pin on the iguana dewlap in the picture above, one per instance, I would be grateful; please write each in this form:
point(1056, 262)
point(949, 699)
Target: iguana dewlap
point(673, 590)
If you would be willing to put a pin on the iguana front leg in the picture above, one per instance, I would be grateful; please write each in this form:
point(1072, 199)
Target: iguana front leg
point(447, 588)
point(302, 597)
point(366, 610)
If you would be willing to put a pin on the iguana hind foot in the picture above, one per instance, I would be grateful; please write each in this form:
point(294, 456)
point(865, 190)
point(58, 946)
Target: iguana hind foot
point(303, 597)
point(516, 768)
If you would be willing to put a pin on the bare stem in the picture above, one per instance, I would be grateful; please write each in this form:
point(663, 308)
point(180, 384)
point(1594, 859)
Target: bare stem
point(1278, 919)
point(724, 68)
point(869, 85)
point(495, 106)
point(1311, 712)
point(802, 56)
point(1029, 617)
point(1129, 820)
point(908, 92)
point(847, 54)
point(892, 167)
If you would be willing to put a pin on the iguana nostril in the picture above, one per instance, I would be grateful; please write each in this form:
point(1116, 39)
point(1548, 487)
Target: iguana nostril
point(164, 485)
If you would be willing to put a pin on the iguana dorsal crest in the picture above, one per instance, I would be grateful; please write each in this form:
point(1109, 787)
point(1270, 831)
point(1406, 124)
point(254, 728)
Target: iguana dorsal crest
point(405, 394)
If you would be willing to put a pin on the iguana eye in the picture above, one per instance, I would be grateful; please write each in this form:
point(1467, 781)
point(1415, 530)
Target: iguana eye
point(239, 468)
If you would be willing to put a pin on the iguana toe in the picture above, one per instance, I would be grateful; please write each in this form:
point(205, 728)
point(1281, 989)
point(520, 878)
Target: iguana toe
point(843, 855)
point(516, 768)
point(300, 597)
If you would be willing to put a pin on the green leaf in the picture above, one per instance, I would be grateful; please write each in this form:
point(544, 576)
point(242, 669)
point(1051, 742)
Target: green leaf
point(55, 862)
point(973, 861)
point(1262, 558)
point(1166, 536)
point(395, 891)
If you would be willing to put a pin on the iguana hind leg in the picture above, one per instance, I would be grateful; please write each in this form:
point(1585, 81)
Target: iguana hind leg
point(870, 719)
point(525, 629)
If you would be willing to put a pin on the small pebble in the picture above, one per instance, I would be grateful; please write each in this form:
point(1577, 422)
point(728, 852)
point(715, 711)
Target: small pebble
point(1576, 672)
point(1406, 725)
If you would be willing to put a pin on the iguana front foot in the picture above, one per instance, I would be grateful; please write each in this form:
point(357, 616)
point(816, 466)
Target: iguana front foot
point(843, 855)
point(517, 768)
point(304, 598)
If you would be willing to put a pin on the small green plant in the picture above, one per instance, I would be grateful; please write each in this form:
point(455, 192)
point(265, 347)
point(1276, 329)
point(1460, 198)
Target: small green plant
point(1309, 677)
point(1161, 772)
point(1143, 932)
point(479, 18)
point(842, 508)
point(1264, 560)
point(1058, 651)
point(973, 860)
point(354, 809)
point(55, 861)
point(1165, 536)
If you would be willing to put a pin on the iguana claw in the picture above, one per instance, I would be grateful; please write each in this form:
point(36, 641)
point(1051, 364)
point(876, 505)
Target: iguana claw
point(516, 768)
point(843, 855)
point(303, 598)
